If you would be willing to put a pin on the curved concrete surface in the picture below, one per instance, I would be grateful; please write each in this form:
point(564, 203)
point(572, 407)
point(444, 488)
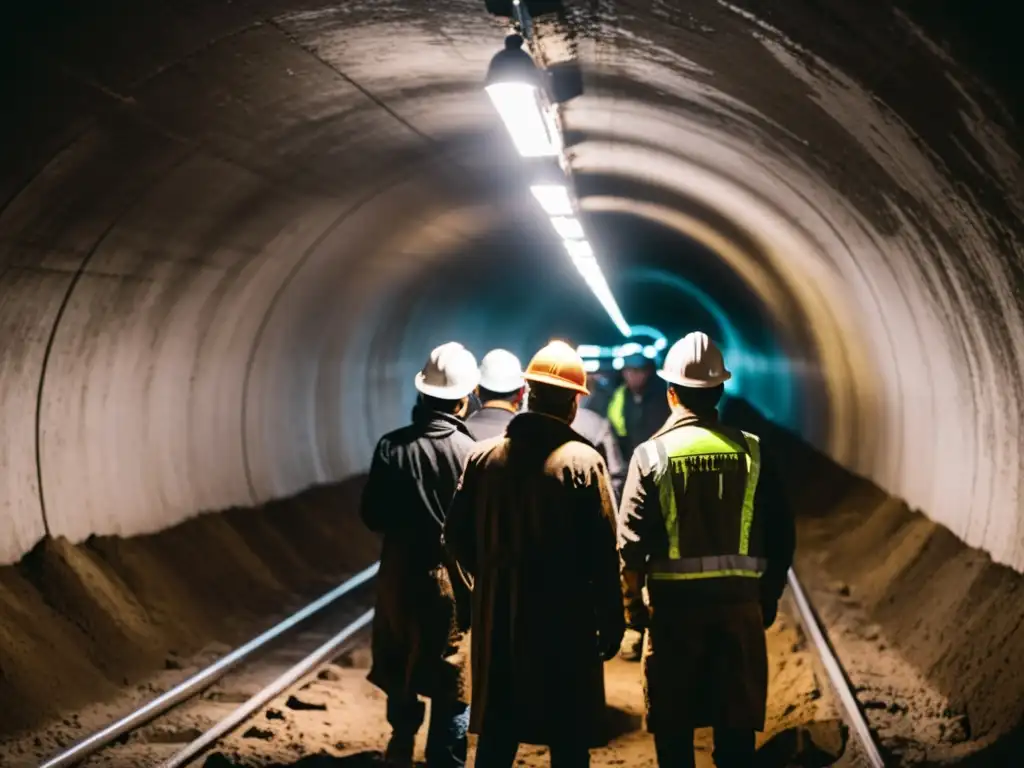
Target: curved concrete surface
point(231, 231)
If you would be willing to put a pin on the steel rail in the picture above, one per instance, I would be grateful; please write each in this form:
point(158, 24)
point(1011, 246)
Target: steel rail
point(202, 679)
point(245, 711)
point(837, 676)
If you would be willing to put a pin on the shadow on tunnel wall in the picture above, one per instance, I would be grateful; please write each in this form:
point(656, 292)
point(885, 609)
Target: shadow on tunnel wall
point(946, 609)
point(83, 624)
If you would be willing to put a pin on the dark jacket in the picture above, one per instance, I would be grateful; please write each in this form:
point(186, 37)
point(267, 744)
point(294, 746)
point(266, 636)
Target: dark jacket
point(598, 431)
point(643, 414)
point(422, 598)
point(532, 522)
point(490, 421)
point(706, 661)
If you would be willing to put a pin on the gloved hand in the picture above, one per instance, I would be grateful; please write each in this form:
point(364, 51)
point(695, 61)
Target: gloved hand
point(769, 610)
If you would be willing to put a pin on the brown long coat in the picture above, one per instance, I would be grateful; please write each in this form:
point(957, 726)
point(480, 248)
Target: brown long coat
point(533, 522)
point(422, 600)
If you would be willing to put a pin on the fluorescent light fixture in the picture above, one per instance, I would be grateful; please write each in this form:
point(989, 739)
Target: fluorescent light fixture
point(591, 365)
point(553, 198)
point(650, 352)
point(588, 350)
point(578, 249)
point(531, 127)
point(660, 344)
point(618, 363)
point(592, 274)
point(568, 227)
point(629, 348)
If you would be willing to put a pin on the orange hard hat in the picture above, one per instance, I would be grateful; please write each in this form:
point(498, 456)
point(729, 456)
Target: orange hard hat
point(558, 364)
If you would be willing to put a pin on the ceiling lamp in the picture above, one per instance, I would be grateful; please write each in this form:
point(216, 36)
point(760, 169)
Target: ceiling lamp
point(568, 227)
point(553, 198)
point(515, 87)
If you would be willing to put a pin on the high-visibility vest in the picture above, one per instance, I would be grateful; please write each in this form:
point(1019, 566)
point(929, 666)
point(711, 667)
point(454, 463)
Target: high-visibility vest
point(706, 481)
point(617, 411)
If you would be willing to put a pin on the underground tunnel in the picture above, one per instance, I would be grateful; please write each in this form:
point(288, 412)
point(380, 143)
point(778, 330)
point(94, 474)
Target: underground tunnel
point(231, 233)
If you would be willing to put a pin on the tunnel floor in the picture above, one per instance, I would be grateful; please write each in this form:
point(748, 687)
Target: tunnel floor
point(336, 718)
point(931, 634)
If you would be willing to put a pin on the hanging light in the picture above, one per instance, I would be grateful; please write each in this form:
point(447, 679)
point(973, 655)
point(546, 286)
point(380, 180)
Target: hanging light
point(553, 198)
point(515, 87)
point(578, 249)
point(568, 227)
point(591, 272)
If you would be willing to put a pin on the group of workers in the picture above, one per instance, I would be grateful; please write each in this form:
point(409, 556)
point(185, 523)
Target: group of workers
point(505, 523)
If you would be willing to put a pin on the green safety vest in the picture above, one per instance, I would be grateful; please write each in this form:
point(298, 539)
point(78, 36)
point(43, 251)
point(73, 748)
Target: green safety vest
point(617, 411)
point(706, 482)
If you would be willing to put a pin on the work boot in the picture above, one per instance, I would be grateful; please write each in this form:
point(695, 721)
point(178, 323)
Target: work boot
point(399, 752)
point(632, 646)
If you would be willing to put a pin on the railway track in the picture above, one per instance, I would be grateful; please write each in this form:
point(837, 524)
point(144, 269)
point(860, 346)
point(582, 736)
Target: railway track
point(866, 750)
point(338, 608)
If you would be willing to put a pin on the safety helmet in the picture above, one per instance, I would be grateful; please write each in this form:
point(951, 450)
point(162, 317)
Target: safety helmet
point(558, 364)
point(501, 371)
point(636, 360)
point(450, 373)
point(694, 361)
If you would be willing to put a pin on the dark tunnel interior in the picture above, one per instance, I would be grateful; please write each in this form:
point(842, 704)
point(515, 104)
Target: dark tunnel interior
point(230, 233)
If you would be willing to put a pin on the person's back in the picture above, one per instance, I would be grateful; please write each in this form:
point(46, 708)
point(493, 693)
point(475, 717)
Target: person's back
point(702, 522)
point(422, 599)
point(500, 392)
point(533, 524)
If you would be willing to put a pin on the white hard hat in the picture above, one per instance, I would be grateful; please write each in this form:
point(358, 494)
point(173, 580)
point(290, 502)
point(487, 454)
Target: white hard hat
point(501, 371)
point(694, 361)
point(449, 374)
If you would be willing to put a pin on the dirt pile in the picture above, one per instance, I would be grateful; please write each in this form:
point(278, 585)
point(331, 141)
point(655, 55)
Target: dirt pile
point(931, 631)
point(80, 622)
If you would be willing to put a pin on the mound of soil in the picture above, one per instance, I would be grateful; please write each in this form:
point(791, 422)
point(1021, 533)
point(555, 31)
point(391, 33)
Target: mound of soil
point(79, 623)
point(931, 631)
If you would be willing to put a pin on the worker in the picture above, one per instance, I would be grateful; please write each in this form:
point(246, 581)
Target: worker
point(422, 607)
point(704, 524)
point(533, 523)
point(500, 392)
point(599, 433)
point(637, 408)
point(636, 411)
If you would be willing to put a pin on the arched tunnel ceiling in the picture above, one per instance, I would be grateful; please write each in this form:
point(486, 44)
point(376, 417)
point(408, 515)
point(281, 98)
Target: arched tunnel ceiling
point(231, 231)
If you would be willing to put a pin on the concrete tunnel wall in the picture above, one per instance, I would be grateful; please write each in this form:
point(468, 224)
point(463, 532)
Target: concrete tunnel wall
point(231, 232)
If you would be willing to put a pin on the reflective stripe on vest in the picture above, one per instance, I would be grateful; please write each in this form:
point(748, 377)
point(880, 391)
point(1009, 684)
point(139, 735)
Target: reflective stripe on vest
point(617, 411)
point(676, 450)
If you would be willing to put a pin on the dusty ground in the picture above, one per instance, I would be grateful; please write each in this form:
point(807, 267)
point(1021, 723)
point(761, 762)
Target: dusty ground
point(88, 632)
point(337, 719)
point(931, 632)
point(932, 635)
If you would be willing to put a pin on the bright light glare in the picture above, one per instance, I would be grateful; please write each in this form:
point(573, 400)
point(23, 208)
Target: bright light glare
point(579, 249)
point(591, 365)
point(627, 349)
point(519, 107)
point(618, 363)
point(568, 228)
point(650, 352)
point(553, 198)
point(588, 350)
point(592, 274)
point(660, 344)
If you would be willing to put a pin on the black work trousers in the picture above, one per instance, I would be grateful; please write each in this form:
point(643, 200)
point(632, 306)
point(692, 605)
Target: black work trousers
point(495, 750)
point(734, 748)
